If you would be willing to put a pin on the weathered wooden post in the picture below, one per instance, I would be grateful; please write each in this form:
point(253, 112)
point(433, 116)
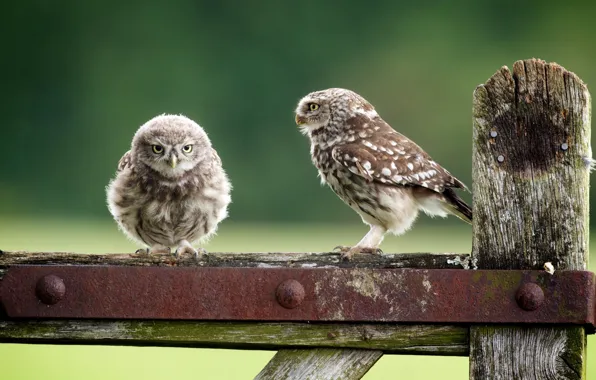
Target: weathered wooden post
point(532, 159)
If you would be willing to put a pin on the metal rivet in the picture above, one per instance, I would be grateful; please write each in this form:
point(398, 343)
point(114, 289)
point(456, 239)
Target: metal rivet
point(50, 289)
point(564, 146)
point(501, 158)
point(529, 296)
point(290, 294)
point(493, 133)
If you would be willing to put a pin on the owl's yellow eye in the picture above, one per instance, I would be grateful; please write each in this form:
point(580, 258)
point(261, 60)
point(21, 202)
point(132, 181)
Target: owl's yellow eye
point(313, 106)
point(187, 148)
point(157, 149)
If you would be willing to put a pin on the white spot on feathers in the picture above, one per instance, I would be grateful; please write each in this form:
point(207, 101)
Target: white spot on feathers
point(386, 171)
point(410, 166)
point(393, 143)
point(366, 165)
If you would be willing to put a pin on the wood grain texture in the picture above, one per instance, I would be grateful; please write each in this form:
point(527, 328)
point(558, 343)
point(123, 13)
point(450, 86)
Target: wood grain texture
point(319, 364)
point(231, 259)
point(532, 158)
point(390, 338)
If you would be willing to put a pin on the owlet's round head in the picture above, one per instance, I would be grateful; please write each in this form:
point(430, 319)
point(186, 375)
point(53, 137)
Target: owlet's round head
point(329, 108)
point(170, 145)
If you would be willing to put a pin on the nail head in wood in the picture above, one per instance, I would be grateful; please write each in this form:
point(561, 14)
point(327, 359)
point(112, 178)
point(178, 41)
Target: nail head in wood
point(290, 294)
point(50, 289)
point(529, 296)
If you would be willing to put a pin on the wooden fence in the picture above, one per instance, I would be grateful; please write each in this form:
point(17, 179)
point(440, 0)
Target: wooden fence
point(531, 165)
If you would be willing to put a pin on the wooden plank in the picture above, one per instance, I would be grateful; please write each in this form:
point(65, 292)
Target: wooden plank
point(531, 162)
point(318, 364)
point(248, 260)
point(391, 338)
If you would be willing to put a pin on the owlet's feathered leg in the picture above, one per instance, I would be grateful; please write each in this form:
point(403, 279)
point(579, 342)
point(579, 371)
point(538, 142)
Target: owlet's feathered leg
point(369, 243)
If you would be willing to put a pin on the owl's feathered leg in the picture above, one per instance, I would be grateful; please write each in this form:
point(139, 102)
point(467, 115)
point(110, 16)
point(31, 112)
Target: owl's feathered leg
point(369, 243)
point(185, 247)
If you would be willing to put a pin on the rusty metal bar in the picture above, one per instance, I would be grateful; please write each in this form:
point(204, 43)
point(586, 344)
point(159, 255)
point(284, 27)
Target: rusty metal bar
point(300, 294)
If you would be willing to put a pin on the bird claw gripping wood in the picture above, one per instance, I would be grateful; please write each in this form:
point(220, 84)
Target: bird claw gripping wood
point(197, 253)
point(347, 252)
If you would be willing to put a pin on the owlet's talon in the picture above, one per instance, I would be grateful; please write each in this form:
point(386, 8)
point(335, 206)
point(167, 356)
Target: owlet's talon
point(142, 251)
point(159, 250)
point(186, 248)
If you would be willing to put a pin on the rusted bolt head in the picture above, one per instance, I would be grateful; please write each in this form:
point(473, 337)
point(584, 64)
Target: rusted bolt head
point(529, 296)
point(290, 294)
point(50, 289)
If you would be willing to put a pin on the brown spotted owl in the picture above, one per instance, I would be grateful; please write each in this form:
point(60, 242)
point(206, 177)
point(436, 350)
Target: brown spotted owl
point(381, 174)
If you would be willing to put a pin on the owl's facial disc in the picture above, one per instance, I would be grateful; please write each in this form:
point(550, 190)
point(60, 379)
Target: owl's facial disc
point(170, 159)
point(311, 114)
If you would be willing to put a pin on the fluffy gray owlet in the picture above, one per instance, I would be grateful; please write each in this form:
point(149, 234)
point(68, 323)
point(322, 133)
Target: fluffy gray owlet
point(381, 174)
point(170, 189)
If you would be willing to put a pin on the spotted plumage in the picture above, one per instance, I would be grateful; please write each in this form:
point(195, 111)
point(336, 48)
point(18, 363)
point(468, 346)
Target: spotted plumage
point(384, 176)
point(170, 189)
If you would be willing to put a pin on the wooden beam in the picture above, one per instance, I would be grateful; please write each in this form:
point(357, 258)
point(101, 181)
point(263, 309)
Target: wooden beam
point(320, 363)
point(389, 338)
point(227, 259)
point(531, 163)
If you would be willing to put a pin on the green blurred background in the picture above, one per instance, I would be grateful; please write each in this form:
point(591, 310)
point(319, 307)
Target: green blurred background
point(79, 78)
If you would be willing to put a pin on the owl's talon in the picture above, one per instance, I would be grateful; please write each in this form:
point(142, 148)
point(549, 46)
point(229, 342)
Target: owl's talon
point(187, 249)
point(341, 248)
point(372, 251)
point(142, 251)
point(348, 252)
point(200, 252)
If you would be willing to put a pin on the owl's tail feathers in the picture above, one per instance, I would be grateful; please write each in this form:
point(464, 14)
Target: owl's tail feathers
point(454, 205)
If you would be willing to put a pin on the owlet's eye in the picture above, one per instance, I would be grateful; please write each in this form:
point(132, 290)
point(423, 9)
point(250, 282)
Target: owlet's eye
point(313, 106)
point(157, 149)
point(187, 148)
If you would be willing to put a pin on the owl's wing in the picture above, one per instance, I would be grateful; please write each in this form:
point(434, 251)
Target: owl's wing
point(390, 158)
point(125, 161)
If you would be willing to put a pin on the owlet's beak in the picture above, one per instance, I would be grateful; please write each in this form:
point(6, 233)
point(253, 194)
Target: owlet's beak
point(300, 120)
point(173, 161)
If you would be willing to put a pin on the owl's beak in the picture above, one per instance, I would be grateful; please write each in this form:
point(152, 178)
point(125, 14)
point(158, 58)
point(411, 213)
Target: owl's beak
point(173, 161)
point(300, 120)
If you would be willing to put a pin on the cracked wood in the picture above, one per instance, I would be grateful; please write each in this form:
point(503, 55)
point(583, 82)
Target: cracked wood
point(531, 163)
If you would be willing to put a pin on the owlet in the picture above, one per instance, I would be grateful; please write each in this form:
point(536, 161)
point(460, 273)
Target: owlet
point(381, 174)
point(170, 189)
